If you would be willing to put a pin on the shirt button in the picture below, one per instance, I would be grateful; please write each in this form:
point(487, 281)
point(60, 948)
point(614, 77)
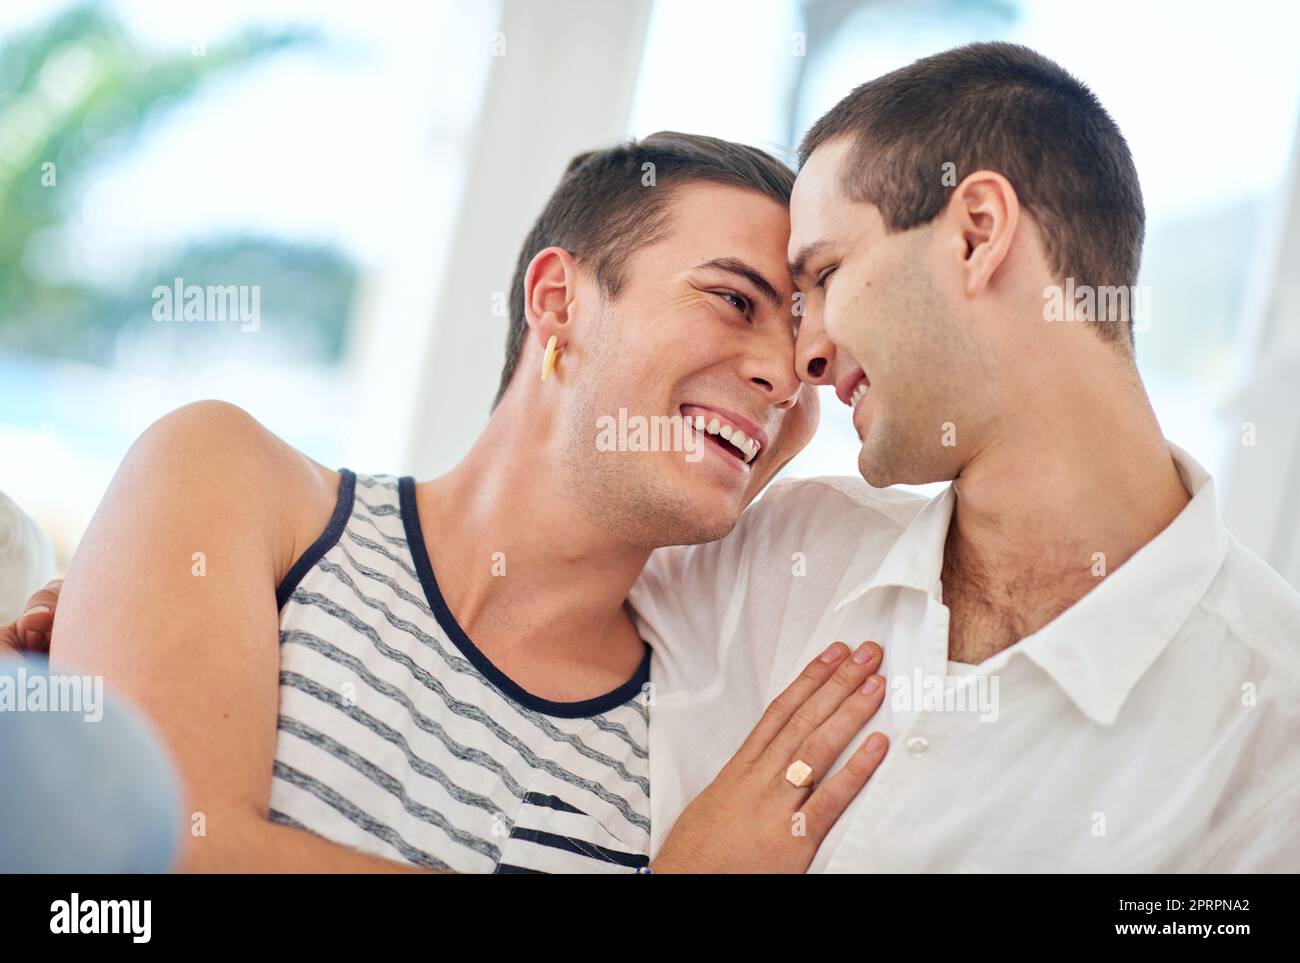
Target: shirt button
point(918, 745)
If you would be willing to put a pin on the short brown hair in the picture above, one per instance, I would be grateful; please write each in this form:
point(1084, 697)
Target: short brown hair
point(602, 211)
point(1000, 107)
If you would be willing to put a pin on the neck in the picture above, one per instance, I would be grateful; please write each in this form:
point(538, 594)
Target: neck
point(522, 567)
point(1065, 490)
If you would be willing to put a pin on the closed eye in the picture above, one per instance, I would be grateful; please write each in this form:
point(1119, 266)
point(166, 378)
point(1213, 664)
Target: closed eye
point(821, 278)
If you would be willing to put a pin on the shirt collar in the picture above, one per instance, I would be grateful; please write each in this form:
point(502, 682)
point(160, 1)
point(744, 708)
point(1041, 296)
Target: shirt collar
point(915, 560)
point(1098, 648)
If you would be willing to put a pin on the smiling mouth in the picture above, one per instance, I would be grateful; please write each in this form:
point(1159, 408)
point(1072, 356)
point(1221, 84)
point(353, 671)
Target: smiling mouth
point(859, 392)
point(725, 436)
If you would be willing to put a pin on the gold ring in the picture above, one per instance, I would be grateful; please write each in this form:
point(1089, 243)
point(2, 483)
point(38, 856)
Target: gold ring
point(799, 774)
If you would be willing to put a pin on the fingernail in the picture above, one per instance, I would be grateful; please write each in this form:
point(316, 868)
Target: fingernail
point(872, 684)
point(833, 653)
point(875, 742)
point(864, 652)
point(36, 610)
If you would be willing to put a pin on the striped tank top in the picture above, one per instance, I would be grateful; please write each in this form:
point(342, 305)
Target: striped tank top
point(399, 738)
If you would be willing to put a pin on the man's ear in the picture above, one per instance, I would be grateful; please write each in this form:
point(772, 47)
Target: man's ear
point(986, 211)
point(550, 286)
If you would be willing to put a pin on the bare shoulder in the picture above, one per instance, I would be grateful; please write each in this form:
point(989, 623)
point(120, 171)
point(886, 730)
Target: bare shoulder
point(171, 594)
point(225, 461)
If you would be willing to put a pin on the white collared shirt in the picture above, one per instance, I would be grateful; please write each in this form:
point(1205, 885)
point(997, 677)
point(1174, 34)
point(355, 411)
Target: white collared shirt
point(1152, 726)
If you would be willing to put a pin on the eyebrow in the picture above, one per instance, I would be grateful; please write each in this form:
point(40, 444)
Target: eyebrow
point(798, 267)
point(738, 267)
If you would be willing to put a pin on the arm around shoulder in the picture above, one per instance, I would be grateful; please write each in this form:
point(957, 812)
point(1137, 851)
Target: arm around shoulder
point(171, 598)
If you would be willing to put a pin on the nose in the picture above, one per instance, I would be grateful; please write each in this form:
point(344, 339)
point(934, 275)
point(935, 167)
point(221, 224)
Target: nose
point(814, 353)
point(771, 368)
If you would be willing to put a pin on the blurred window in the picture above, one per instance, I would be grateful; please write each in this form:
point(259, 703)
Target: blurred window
point(276, 165)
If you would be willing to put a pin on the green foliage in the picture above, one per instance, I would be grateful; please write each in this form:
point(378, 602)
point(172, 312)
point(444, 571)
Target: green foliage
point(77, 91)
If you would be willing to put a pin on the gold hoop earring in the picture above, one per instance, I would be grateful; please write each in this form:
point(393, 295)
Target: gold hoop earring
point(548, 359)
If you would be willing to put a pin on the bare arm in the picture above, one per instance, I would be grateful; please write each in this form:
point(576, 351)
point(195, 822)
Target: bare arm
point(199, 653)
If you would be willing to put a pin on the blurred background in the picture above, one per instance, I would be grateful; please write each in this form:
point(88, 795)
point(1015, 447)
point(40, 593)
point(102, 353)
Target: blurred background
point(372, 168)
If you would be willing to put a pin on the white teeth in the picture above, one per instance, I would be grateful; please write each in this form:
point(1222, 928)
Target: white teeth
point(858, 394)
point(748, 447)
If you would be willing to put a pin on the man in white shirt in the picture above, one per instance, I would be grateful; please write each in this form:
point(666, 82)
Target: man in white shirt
point(1087, 672)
